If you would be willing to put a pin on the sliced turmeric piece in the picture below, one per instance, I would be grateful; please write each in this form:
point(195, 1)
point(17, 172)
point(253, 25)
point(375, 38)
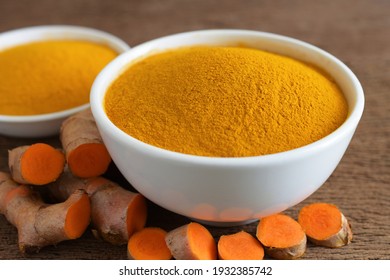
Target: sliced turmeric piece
point(41, 224)
point(325, 225)
point(37, 164)
point(70, 218)
point(281, 236)
point(116, 213)
point(86, 154)
point(148, 244)
point(191, 242)
point(239, 246)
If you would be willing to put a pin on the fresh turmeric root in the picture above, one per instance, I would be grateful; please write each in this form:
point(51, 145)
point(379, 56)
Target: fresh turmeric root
point(37, 164)
point(191, 242)
point(148, 244)
point(41, 224)
point(239, 246)
point(282, 237)
point(85, 151)
point(325, 225)
point(116, 213)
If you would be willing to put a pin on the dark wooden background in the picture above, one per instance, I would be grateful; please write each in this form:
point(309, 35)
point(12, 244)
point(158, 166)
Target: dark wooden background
point(356, 31)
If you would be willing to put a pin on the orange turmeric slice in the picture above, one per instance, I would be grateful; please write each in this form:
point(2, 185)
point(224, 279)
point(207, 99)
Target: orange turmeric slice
point(66, 220)
point(38, 164)
point(239, 246)
point(89, 160)
point(325, 225)
point(191, 242)
point(148, 244)
point(281, 236)
point(78, 216)
point(85, 151)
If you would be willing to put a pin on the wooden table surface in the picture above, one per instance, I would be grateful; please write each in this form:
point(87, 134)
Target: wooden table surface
point(356, 31)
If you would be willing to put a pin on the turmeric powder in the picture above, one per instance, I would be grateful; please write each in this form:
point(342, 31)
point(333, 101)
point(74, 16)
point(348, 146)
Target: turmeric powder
point(225, 102)
point(49, 76)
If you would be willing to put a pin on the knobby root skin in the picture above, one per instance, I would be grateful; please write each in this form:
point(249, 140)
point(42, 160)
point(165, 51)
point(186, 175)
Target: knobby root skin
point(148, 244)
point(282, 237)
point(325, 225)
point(191, 242)
point(68, 219)
point(6, 185)
point(239, 246)
point(122, 213)
point(85, 151)
point(4, 176)
point(289, 253)
point(64, 186)
point(116, 213)
point(41, 224)
point(36, 164)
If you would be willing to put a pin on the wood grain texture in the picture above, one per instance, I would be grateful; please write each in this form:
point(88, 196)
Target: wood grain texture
point(356, 31)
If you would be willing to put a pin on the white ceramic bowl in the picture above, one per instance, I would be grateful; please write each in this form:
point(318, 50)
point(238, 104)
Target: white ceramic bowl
point(48, 124)
point(227, 191)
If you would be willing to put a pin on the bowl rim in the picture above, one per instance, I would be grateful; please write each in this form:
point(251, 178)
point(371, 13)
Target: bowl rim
point(99, 88)
point(43, 117)
point(52, 32)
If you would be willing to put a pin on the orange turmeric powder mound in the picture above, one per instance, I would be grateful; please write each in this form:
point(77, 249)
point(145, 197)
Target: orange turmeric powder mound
point(49, 76)
point(225, 102)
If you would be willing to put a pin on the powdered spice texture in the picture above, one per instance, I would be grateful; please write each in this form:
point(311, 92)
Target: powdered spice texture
point(225, 102)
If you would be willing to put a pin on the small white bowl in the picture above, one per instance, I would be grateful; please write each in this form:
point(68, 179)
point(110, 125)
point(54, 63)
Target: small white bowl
point(227, 191)
point(48, 124)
